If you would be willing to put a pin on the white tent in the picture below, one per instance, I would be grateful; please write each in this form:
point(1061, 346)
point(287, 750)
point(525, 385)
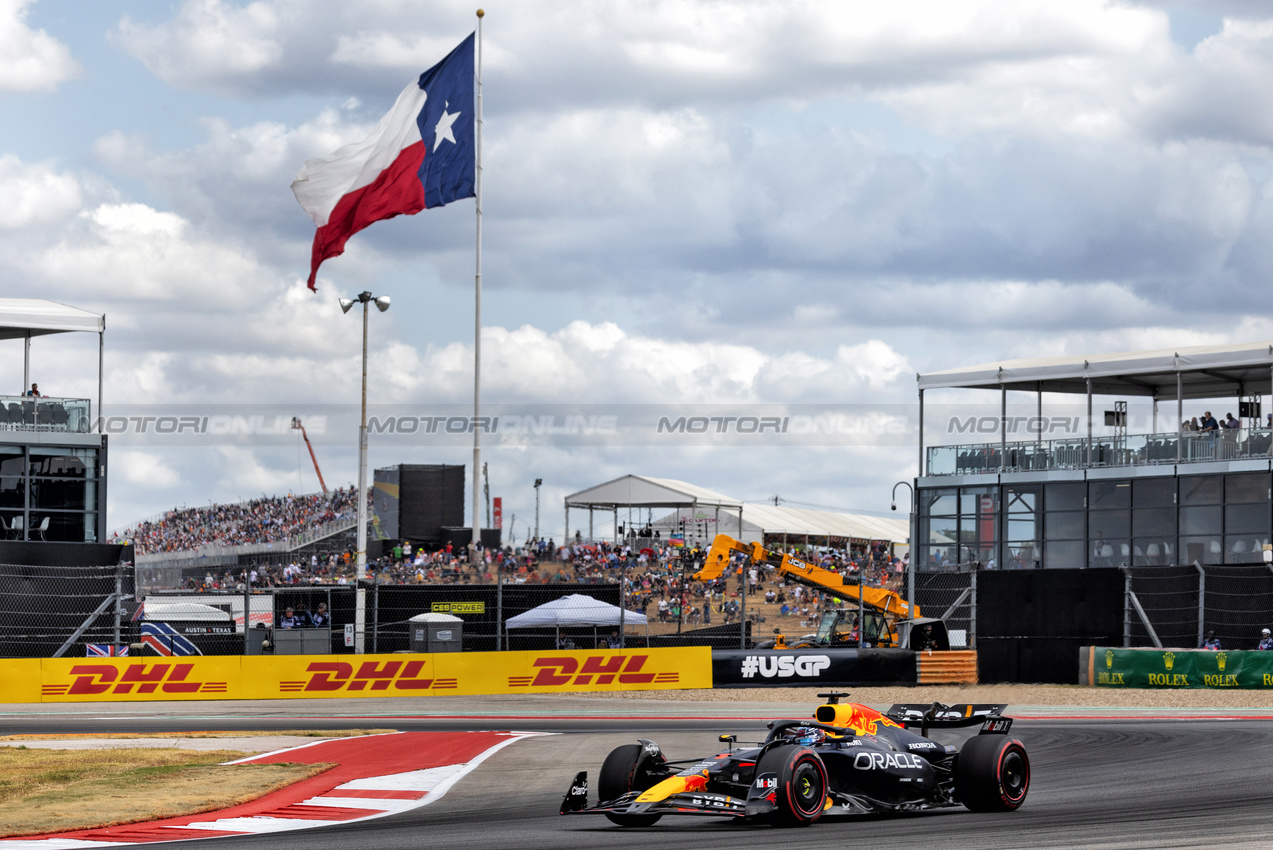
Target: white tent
point(574, 610)
point(23, 318)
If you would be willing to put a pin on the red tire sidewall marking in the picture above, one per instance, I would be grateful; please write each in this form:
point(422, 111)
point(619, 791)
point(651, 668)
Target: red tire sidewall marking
point(1012, 746)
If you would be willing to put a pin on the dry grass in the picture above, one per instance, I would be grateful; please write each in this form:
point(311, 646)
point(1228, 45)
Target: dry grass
point(45, 791)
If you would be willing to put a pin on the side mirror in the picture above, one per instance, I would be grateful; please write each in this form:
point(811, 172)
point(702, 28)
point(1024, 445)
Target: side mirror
point(729, 739)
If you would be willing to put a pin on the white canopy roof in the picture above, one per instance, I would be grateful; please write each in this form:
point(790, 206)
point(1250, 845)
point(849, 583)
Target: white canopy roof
point(436, 618)
point(779, 519)
point(1205, 371)
point(574, 610)
point(633, 491)
point(22, 316)
point(763, 518)
point(184, 611)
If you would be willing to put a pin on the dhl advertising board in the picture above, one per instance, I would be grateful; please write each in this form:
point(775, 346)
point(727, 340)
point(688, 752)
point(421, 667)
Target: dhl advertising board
point(354, 676)
point(1107, 667)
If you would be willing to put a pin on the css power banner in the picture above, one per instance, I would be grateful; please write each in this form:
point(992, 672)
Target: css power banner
point(352, 676)
point(1109, 667)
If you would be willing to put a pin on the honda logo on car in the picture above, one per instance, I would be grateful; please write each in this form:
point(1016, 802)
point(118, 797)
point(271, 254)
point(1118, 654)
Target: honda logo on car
point(784, 666)
point(881, 761)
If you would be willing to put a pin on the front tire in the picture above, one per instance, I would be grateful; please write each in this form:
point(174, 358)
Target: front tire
point(801, 795)
point(627, 768)
point(992, 774)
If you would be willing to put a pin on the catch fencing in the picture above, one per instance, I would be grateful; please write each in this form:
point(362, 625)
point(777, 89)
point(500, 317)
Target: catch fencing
point(48, 611)
point(950, 596)
point(1177, 606)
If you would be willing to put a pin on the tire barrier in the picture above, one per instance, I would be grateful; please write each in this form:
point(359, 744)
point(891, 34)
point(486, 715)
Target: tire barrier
point(758, 668)
point(954, 667)
point(1109, 667)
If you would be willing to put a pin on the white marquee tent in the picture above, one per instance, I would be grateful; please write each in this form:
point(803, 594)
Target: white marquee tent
point(574, 609)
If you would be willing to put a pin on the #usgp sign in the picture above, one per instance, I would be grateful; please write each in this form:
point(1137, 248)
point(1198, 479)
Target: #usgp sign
point(793, 667)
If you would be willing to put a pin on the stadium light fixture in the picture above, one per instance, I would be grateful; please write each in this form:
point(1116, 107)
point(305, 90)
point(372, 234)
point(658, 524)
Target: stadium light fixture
point(538, 483)
point(360, 615)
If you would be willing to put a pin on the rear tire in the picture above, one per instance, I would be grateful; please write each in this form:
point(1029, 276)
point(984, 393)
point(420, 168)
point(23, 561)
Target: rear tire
point(626, 769)
point(992, 774)
point(802, 784)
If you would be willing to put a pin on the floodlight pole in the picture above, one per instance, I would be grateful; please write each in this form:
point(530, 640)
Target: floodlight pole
point(360, 563)
point(913, 550)
point(538, 483)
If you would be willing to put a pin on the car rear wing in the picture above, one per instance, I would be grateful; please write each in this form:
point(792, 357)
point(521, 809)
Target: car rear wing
point(938, 716)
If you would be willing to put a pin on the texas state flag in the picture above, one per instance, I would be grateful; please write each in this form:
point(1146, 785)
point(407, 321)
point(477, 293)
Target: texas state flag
point(422, 154)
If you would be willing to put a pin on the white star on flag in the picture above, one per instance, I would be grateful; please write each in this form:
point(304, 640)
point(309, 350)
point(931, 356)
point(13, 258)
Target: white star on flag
point(443, 129)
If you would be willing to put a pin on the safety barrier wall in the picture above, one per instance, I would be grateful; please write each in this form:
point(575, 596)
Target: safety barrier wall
point(752, 668)
point(1110, 667)
point(956, 666)
point(397, 675)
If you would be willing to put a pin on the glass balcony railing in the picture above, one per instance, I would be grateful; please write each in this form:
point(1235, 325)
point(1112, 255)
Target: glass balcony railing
point(1076, 453)
point(24, 413)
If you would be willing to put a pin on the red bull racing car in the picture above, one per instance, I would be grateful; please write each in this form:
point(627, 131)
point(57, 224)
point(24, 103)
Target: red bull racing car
point(850, 759)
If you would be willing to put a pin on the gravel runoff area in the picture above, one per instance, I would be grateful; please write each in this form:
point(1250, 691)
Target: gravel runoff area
point(1013, 695)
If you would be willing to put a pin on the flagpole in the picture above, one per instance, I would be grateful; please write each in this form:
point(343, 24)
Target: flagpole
point(477, 320)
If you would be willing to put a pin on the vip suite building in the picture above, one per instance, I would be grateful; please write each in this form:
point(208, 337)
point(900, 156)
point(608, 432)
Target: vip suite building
point(52, 460)
point(1082, 462)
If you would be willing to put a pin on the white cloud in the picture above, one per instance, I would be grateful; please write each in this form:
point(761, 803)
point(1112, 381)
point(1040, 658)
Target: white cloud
point(144, 469)
point(132, 251)
point(30, 60)
point(35, 194)
point(687, 202)
point(209, 43)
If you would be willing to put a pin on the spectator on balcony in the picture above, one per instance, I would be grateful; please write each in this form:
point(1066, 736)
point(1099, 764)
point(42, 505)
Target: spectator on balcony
point(34, 391)
point(1230, 424)
point(1209, 423)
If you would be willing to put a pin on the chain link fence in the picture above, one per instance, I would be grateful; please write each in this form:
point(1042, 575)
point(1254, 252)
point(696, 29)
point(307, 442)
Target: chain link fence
point(950, 596)
point(45, 611)
point(1176, 606)
point(48, 611)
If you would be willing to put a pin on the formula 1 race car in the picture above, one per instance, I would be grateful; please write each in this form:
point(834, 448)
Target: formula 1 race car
point(850, 759)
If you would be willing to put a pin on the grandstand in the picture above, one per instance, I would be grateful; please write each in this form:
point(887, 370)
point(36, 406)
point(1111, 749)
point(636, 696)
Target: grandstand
point(1102, 497)
point(269, 528)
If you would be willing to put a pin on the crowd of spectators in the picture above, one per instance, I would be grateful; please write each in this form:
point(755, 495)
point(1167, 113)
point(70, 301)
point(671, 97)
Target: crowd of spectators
point(265, 520)
point(657, 578)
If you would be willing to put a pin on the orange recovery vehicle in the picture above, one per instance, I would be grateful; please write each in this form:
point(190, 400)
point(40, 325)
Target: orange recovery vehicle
point(887, 619)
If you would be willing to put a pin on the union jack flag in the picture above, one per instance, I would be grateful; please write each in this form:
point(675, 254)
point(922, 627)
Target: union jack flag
point(166, 640)
point(105, 649)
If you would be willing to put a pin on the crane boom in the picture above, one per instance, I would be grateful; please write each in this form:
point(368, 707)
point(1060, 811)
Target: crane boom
point(297, 424)
point(810, 575)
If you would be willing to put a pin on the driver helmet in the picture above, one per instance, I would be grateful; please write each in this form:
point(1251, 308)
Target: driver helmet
point(809, 737)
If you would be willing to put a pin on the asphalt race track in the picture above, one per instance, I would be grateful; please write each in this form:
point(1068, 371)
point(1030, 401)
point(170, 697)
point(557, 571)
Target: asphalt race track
point(1095, 783)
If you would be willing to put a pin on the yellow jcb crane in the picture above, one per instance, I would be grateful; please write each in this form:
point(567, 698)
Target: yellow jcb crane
point(888, 620)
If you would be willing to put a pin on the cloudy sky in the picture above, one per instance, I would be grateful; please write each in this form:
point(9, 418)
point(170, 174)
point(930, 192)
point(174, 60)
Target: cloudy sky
point(753, 206)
